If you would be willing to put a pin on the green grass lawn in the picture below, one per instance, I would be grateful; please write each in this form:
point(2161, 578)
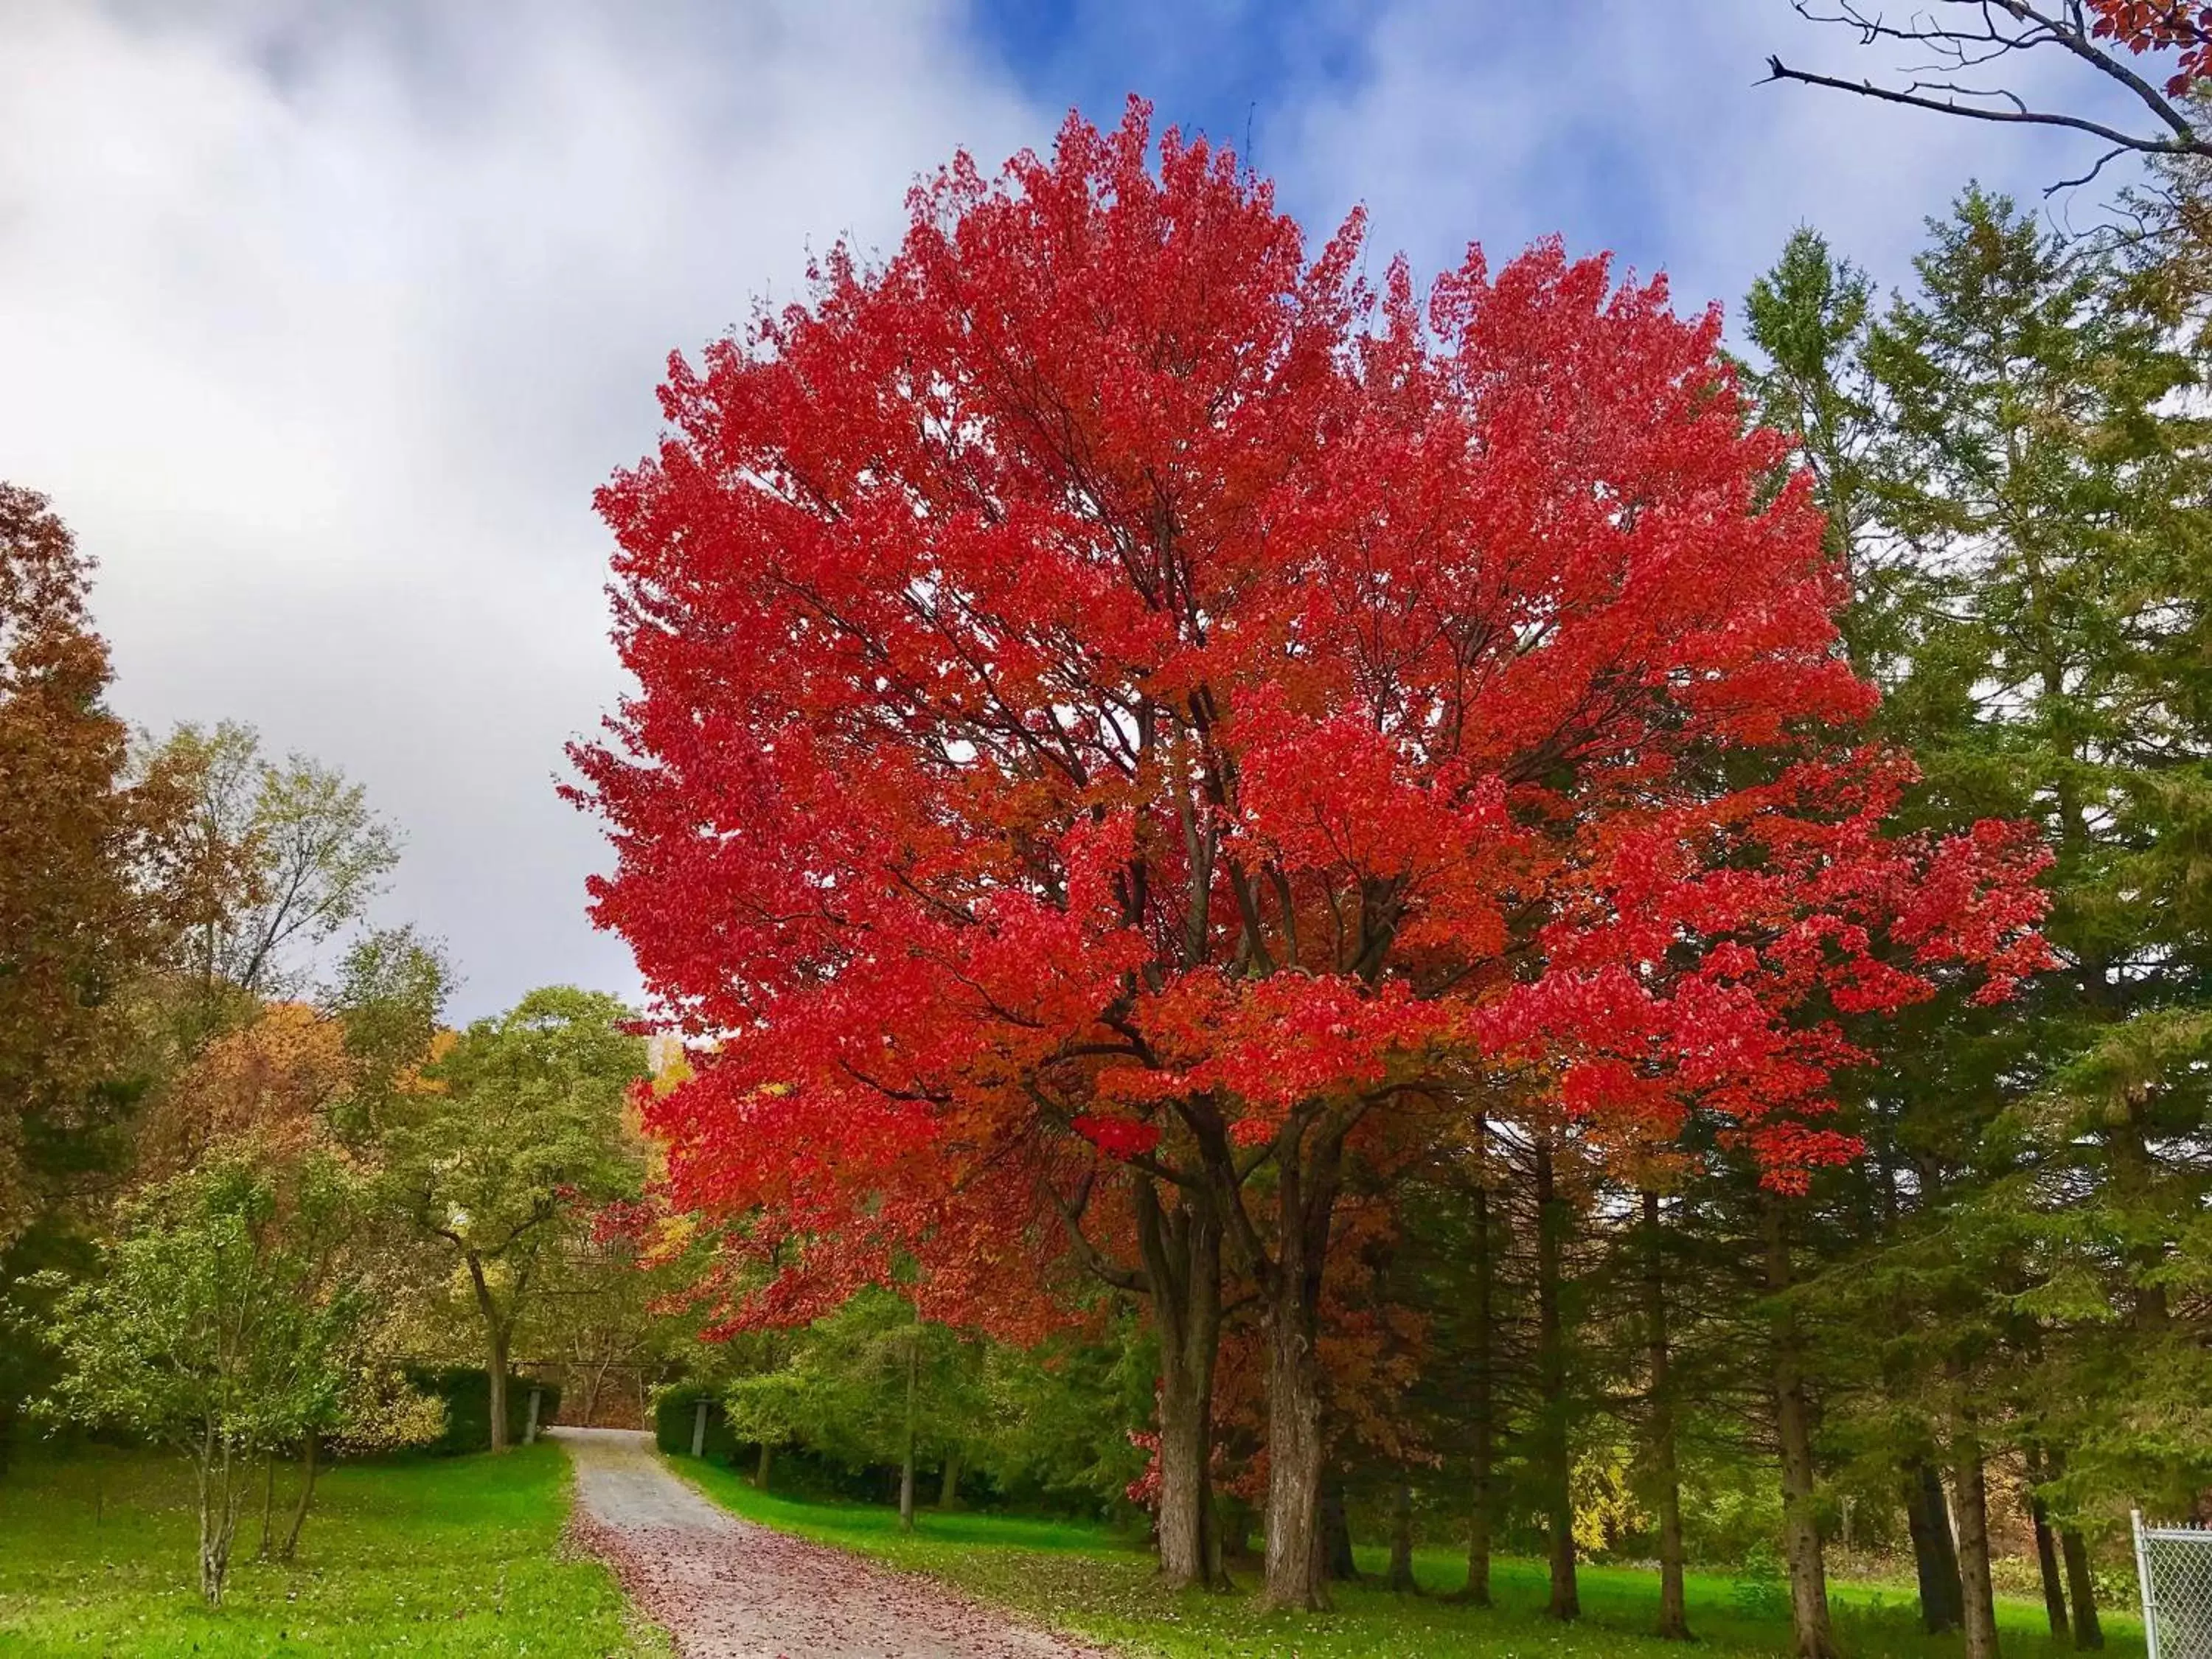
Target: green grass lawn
point(1083, 1580)
point(423, 1557)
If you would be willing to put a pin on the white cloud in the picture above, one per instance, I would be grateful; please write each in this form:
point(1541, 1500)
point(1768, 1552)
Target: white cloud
point(321, 322)
point(1641, 128)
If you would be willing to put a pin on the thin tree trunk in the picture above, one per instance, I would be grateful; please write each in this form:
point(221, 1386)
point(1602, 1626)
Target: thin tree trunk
point(495, 1336)
point(906, 1459)
point(268, 1502)
point(2088, 1632)
point(948, 1487)
point(2046, 1554)
point(496, 1369)
point(1811, 1634)
point(761, 1465)
point(309, 1468)
point(1482, 1453)
point(1555, 1456)
point(1973, 1519)
point(1666, 1481)
point(1934, 1557)
point(1401, 1537)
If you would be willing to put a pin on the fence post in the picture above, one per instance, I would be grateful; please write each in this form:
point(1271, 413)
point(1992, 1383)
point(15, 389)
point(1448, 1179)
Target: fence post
point(2142, 1579)
point(699, 1437)
point(530, 1432)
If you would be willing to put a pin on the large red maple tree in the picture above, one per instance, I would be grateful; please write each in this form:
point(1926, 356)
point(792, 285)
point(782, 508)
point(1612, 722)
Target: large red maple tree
point(1115, 688)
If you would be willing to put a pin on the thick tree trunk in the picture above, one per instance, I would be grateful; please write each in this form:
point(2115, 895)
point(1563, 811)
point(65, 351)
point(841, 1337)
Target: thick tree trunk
point(1928, 1516)
point(1666, 1481)
point(1973, 1518)
point(906, 1458)
point(1181, 1249)
point(308, 1470)
point(1555, 1456)
point(2088, 1632)
point(1294, 1458)
point(1482, 1453)
point(948, 1484)
point(1812, 1636)
point(1401, 1537)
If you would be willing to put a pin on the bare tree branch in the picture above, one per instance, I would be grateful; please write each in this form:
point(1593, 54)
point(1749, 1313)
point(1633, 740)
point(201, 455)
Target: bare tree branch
point(1968, 34)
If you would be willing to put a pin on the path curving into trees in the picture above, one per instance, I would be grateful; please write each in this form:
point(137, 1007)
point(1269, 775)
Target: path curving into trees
point(725, 1589)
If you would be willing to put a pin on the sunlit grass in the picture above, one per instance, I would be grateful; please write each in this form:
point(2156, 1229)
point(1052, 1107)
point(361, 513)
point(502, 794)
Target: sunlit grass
point(423, 1557)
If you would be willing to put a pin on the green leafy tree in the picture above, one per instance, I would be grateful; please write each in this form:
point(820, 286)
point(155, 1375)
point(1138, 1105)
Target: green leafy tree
point(510, 1137)
point(215, 1326)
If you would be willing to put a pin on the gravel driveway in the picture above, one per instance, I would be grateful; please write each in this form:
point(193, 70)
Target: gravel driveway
point(725, 1589)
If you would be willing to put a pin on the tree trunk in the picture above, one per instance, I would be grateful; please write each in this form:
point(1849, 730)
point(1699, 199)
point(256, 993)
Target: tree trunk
point(1294, 1458)
point(1482, 1454)
point(496, 1369)
point(1933, 1555)
point(2047, 1556)
point(308, 1470)
point(218, 1506)
point(1182, 1248)
point(761, 1465)
point(496, 1331)
point(1666, 1481)
point(906, 1460)
point(1811, 1634)
point(2088, 1633)
point(268, 1502)
point(1973, 1518)
point(1554, 1455)
point(1401, 1537)
point(1335, 1531)
point(948, 1485)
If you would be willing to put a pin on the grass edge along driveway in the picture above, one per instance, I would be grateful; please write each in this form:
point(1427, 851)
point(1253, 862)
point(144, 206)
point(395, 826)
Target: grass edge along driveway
point(1082, 1580)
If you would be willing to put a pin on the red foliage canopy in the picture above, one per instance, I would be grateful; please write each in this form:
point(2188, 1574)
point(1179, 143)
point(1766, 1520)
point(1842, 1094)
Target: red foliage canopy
point(1102, 670)
point(2145, 26)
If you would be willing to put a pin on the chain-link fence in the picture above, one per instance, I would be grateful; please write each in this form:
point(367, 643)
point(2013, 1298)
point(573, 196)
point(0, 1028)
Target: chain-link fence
point(2175, 1565)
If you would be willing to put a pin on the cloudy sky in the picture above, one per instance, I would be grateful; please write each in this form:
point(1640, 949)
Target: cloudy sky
point(321, 320)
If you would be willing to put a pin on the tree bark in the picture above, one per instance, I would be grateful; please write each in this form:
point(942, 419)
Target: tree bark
point(906, 1459)
point(268, 1502)
point(2046, 1554)
point(1182, 1248)
point(309, 1470)
point(948, 1484)
point(1401, 1537)
point(1665, 1479)
point(1933, 1556)
point(218, 1518)
point(1294, 1459)
point(496, 1331)
point(1973, 1519)
point(1555, 1458)
point(1812, 1635)
point(761, 1465)
point(2088, 1632)
point(1482, 1453)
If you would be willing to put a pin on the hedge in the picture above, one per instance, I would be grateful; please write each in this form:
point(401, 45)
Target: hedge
point(674, 1411)
point(466, 1391)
